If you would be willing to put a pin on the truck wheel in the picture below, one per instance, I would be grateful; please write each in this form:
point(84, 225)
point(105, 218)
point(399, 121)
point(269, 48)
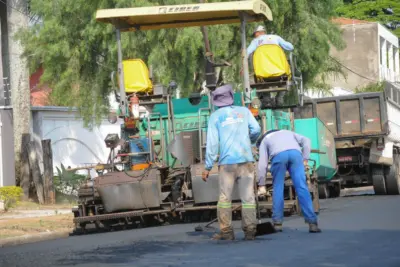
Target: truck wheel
point(378, 180)
point(323, 191)
point(393, 178)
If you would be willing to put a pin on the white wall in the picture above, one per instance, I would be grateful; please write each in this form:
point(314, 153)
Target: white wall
point(388, 35)
point(72, 144)
point(337, 91)
point(389, 46)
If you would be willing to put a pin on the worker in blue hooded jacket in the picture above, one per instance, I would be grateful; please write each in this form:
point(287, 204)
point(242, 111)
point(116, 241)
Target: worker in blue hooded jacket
point(231, 129)
point(287, 151)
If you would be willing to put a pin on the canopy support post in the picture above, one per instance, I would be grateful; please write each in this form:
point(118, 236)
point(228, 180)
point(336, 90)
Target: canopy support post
point(245, 62)
point(122, 103)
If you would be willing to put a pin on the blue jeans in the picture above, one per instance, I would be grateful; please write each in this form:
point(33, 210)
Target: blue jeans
point(292, 161)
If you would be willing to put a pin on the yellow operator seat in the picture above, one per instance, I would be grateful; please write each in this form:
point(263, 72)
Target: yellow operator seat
point(136, 77)
point(270, 63)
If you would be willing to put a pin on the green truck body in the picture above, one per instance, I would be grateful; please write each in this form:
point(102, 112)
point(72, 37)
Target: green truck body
point(322, 140)
point(186, 119)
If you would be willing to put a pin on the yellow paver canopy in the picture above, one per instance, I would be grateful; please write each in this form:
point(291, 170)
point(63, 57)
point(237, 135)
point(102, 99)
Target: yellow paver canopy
point(180, 16)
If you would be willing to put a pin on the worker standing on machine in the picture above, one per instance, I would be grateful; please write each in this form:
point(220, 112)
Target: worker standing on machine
point(262, 38)
point(283, 147)
point(231, 129)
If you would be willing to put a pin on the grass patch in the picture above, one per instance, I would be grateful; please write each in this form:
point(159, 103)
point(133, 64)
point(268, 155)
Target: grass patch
point(28, 205)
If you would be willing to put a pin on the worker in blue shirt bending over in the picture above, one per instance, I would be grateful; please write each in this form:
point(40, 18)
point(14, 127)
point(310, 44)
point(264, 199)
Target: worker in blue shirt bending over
point(284, 148)
point(231, 129)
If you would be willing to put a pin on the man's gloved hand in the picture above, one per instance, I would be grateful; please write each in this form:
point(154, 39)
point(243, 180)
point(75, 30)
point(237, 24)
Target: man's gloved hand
point(262, 191)
point(305, 162)
point(254, 150)
point(204, 175)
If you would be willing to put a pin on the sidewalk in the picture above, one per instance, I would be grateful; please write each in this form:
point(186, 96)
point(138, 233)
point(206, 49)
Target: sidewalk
point(33, 224)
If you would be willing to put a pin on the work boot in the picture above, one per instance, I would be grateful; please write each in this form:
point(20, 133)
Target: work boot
point(267, 102)
point(249, 235)
point(313, 228)
point(278, 227)
point(280, 99)
point(224, 236)
point(249, 231)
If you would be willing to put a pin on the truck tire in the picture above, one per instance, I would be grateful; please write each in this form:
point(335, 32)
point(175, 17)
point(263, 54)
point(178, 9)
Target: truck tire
point(378, 180)
point(392, 177)
point(323, 191)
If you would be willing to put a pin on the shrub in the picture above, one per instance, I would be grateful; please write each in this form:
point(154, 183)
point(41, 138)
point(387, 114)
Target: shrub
point(10, 195)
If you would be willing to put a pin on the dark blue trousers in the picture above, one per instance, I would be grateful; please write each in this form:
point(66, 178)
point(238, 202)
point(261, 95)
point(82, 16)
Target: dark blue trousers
point(292, 161)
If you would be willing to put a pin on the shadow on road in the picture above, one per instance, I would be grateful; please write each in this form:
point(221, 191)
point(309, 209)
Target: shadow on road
point(125, 253)
point(293, 247)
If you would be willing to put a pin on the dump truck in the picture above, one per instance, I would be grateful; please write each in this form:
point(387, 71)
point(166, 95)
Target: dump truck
point(153, 175)
point(366, 128)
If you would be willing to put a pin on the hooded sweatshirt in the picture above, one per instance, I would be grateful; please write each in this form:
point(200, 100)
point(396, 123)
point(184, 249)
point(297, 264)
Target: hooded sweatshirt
point(230, 132)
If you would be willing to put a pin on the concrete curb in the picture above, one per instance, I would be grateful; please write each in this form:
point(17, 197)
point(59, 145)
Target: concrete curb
point(357, 191)
point(26, 239)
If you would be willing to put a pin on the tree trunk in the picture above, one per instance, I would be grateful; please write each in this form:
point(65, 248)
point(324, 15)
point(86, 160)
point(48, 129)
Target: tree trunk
point(48, 172)
point(35, 170)
point(18, 78)
point(25, 170)
point(204, 31)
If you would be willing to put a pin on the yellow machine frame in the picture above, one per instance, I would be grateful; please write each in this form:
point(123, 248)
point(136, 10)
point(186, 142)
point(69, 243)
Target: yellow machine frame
point(181, 16)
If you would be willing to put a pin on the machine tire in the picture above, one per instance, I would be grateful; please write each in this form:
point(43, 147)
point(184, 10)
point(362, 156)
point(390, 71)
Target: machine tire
point(334, 191)
point(323, 191)
point(392, 177)
point(378, 180)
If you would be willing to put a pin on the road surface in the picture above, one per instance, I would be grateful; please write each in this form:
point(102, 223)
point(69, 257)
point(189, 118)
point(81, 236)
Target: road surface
point(359, 231)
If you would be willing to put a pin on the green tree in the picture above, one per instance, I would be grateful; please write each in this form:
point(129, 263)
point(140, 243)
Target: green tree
point(78, 53)
point(386, 12)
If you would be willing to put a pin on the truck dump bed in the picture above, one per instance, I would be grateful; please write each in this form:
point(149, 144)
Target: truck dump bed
point(356, 116)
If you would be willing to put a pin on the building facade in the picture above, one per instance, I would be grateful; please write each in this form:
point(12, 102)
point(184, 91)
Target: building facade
point(371, 55)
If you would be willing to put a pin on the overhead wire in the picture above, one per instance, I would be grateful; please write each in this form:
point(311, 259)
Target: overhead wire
point(358, 74)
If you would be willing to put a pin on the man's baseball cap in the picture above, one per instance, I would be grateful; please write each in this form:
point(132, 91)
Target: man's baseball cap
point(259, 28)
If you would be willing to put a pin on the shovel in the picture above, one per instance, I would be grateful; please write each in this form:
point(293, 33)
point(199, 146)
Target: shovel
point(200, 228)
point(265, 228)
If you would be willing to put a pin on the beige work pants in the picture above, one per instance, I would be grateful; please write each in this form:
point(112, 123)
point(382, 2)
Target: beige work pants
point(243, 175)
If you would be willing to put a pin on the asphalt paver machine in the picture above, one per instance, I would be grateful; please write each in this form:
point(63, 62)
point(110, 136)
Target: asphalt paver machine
point(153, 175)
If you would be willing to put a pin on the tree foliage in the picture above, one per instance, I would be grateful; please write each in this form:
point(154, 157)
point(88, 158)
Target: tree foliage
point(10, 196)
point(78, 53)
point(371, 87)
point(386, 12)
